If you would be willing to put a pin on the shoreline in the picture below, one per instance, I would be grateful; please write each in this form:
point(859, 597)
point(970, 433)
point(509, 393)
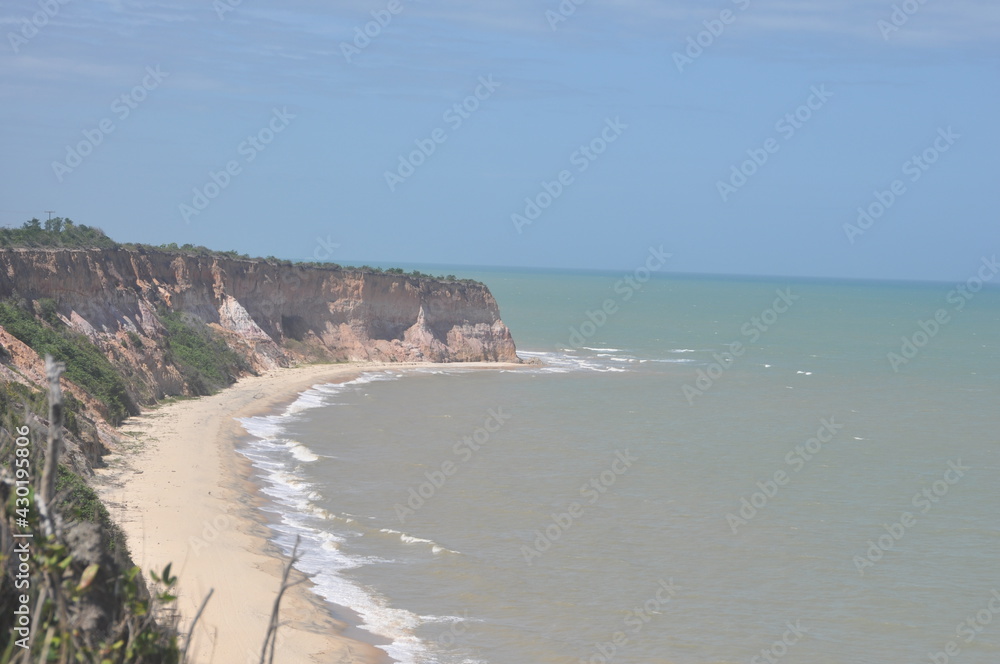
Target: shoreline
point(184, 496)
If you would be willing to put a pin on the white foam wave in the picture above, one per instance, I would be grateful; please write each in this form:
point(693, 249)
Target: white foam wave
point(301, 452)
point(288, 479)
point(562, 363)
point(319, 395)
point(307, 400)
point(278, 460)
point(410, 539)
point(603, 350)
point(323, 559)
point(373, 377)
point(265, 427)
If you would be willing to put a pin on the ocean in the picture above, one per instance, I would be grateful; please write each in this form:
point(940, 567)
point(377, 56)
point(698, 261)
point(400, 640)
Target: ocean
point(701, 471)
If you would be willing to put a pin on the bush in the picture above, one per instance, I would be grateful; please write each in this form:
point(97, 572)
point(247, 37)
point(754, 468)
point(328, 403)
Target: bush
point(83, 608)
point(85, 364)
point(78, 502)
point(204, 359)
point(56, 232)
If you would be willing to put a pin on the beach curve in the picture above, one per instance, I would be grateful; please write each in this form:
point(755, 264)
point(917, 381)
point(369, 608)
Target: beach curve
point(184, 496)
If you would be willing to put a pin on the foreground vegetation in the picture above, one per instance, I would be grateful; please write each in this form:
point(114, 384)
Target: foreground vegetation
point(69, 591)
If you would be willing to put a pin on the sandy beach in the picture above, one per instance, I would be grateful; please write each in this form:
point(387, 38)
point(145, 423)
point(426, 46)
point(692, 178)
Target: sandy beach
point(183, 496)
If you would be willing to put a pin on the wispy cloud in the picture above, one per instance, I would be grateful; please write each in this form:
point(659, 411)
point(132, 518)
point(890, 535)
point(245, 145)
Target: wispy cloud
point(432, 44)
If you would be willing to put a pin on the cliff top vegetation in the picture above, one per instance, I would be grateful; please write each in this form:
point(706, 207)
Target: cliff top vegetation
point(62, 232)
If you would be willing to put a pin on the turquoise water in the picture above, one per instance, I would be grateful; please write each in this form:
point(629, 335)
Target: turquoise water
point(592, 509)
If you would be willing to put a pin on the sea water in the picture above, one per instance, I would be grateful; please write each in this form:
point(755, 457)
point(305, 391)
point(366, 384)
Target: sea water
point(699, 471)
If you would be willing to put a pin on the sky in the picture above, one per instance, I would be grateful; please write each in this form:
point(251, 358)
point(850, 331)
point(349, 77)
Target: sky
point(834, 138)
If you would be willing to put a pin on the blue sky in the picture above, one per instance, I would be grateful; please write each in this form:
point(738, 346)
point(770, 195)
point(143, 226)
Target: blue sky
point(308, 130)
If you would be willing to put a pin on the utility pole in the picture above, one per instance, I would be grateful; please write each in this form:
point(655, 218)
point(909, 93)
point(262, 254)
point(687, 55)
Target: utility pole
point(50, 213)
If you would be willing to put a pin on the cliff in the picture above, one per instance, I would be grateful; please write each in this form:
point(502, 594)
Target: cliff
point(267, 314)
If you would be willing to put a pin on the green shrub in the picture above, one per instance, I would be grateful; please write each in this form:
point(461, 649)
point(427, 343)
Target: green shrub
point(47, 310)
point(82, 610)
point(203, 358)
point(56, 232)
point(85, 364)
point(78, 502)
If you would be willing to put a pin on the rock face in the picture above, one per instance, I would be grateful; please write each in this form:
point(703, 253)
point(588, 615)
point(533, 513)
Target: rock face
point(273, 315)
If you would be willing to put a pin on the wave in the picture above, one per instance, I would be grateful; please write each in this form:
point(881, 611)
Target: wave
point(301, 452)
point(319, 395)
point(322, 557)
point(410, 539)
point(324, 537)
point(559, 362)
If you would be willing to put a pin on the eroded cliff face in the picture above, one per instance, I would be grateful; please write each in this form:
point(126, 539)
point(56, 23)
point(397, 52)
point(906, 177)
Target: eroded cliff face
point(273, 315)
